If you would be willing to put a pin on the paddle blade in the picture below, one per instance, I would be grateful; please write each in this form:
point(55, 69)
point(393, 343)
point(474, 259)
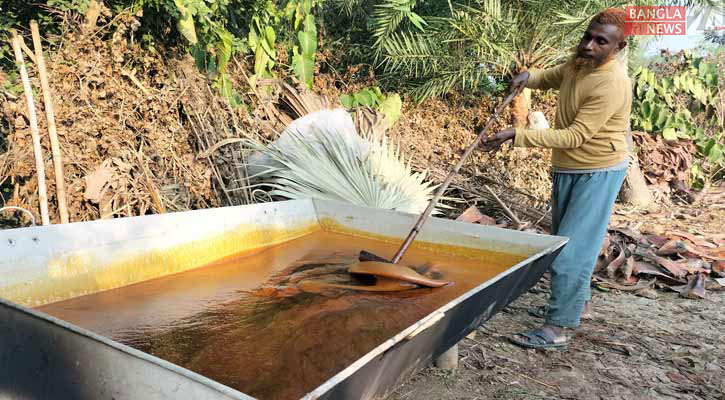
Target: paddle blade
point(367, 256)
point(392, 271)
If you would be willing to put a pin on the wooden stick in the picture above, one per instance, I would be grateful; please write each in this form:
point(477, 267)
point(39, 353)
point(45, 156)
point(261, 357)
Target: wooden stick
point(50, 115)
point(414, 232)
point(39, 164)
point(506, 210)
point(27, 50)
point(155, 196)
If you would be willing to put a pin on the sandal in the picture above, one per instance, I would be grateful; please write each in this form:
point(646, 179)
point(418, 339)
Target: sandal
point(541, 311)
point(539, 339)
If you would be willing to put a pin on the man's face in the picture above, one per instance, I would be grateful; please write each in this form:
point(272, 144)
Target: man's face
point(599, 44)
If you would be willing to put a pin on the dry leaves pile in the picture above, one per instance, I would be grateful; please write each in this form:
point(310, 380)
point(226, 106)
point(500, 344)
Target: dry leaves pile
point(435, 134)
point(125, 150)
point(139, 133)
point(687, 263)
point(665, 165)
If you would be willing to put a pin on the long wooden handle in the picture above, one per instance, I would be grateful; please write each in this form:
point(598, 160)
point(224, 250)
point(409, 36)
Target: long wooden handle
point(50, 115)
point(39, 163)
point(423, 217)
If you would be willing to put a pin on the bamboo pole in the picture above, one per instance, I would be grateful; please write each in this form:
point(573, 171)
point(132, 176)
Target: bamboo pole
point(39, 164)
point(27, 50)
point(416, 228)
point(50, 115)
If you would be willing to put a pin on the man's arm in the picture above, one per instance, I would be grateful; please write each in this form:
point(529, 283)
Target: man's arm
point(549, 78)
point(592, 115)
point(535, 79)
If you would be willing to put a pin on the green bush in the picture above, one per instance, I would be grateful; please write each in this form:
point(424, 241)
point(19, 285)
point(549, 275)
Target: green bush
point(390, 105)
point(213, 30)
point(681, 98)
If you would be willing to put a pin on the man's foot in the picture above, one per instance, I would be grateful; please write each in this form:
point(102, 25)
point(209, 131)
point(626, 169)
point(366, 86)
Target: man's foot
point(540, 311)
point(545, 337)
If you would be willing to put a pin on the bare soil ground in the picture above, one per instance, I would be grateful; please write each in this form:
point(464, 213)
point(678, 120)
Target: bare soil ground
point(632, 348)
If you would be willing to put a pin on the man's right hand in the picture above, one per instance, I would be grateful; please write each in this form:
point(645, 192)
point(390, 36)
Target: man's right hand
point(520, 80)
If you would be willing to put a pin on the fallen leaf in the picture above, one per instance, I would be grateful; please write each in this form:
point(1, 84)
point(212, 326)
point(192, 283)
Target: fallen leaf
point(718, 268)
point(704, 254)
point(475, 216)
point(613, 285)
point(656, 240)
point(96, 182)
point(694, 239)
point(613, 266)
point(645, 268)
point(695, 288)
point(629, 233)
point(672, 247)
point(673, 268)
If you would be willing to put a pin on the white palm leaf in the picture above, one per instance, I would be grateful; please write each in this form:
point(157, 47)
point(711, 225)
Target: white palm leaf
point(320, 162)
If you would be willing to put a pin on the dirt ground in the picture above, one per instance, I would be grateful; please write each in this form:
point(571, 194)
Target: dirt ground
point(632, 348)
point(657, 347)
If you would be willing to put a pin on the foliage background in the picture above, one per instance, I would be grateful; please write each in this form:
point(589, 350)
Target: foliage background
point(448, 55)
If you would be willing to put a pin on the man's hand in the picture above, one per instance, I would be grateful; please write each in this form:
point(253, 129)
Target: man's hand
point(520, 80)
point(492, 143)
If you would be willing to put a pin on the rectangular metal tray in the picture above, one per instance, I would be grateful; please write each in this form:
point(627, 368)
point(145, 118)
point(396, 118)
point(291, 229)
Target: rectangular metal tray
point(44, 357)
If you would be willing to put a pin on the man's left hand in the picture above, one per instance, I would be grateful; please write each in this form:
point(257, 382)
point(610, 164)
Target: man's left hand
point(492, 143)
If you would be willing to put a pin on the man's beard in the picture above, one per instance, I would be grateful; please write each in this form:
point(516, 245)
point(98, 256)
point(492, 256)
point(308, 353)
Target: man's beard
point(586, 63)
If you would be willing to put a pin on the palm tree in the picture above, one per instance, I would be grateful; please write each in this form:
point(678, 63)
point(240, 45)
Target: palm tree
point(484, 39)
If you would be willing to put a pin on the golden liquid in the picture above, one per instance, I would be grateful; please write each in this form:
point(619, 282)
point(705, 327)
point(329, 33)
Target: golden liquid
point(245, 323)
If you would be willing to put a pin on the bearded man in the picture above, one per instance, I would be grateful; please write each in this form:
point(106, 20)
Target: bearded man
point(590, 158)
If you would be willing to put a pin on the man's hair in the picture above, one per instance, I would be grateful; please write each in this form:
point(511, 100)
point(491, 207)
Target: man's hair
point(612, 16)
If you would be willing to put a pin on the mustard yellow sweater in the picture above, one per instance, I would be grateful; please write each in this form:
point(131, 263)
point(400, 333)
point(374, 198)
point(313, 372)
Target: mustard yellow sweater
point(592, 116)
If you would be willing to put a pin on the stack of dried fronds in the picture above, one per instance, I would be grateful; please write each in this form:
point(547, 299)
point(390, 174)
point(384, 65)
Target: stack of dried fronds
point(215, 132)
point(139, 133)
point(290, 102)
point(664, 163)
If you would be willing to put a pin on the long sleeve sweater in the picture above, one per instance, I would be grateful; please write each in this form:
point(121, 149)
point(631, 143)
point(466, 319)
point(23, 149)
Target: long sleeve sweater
point(592, 116)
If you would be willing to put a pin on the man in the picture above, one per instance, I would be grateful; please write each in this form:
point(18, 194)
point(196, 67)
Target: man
point(590, 158)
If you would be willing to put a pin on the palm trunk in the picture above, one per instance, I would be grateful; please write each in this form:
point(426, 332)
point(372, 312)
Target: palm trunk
point(634, 191)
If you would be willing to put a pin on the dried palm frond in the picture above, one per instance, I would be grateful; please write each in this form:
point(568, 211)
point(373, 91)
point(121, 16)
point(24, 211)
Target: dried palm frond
point(322, 158)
